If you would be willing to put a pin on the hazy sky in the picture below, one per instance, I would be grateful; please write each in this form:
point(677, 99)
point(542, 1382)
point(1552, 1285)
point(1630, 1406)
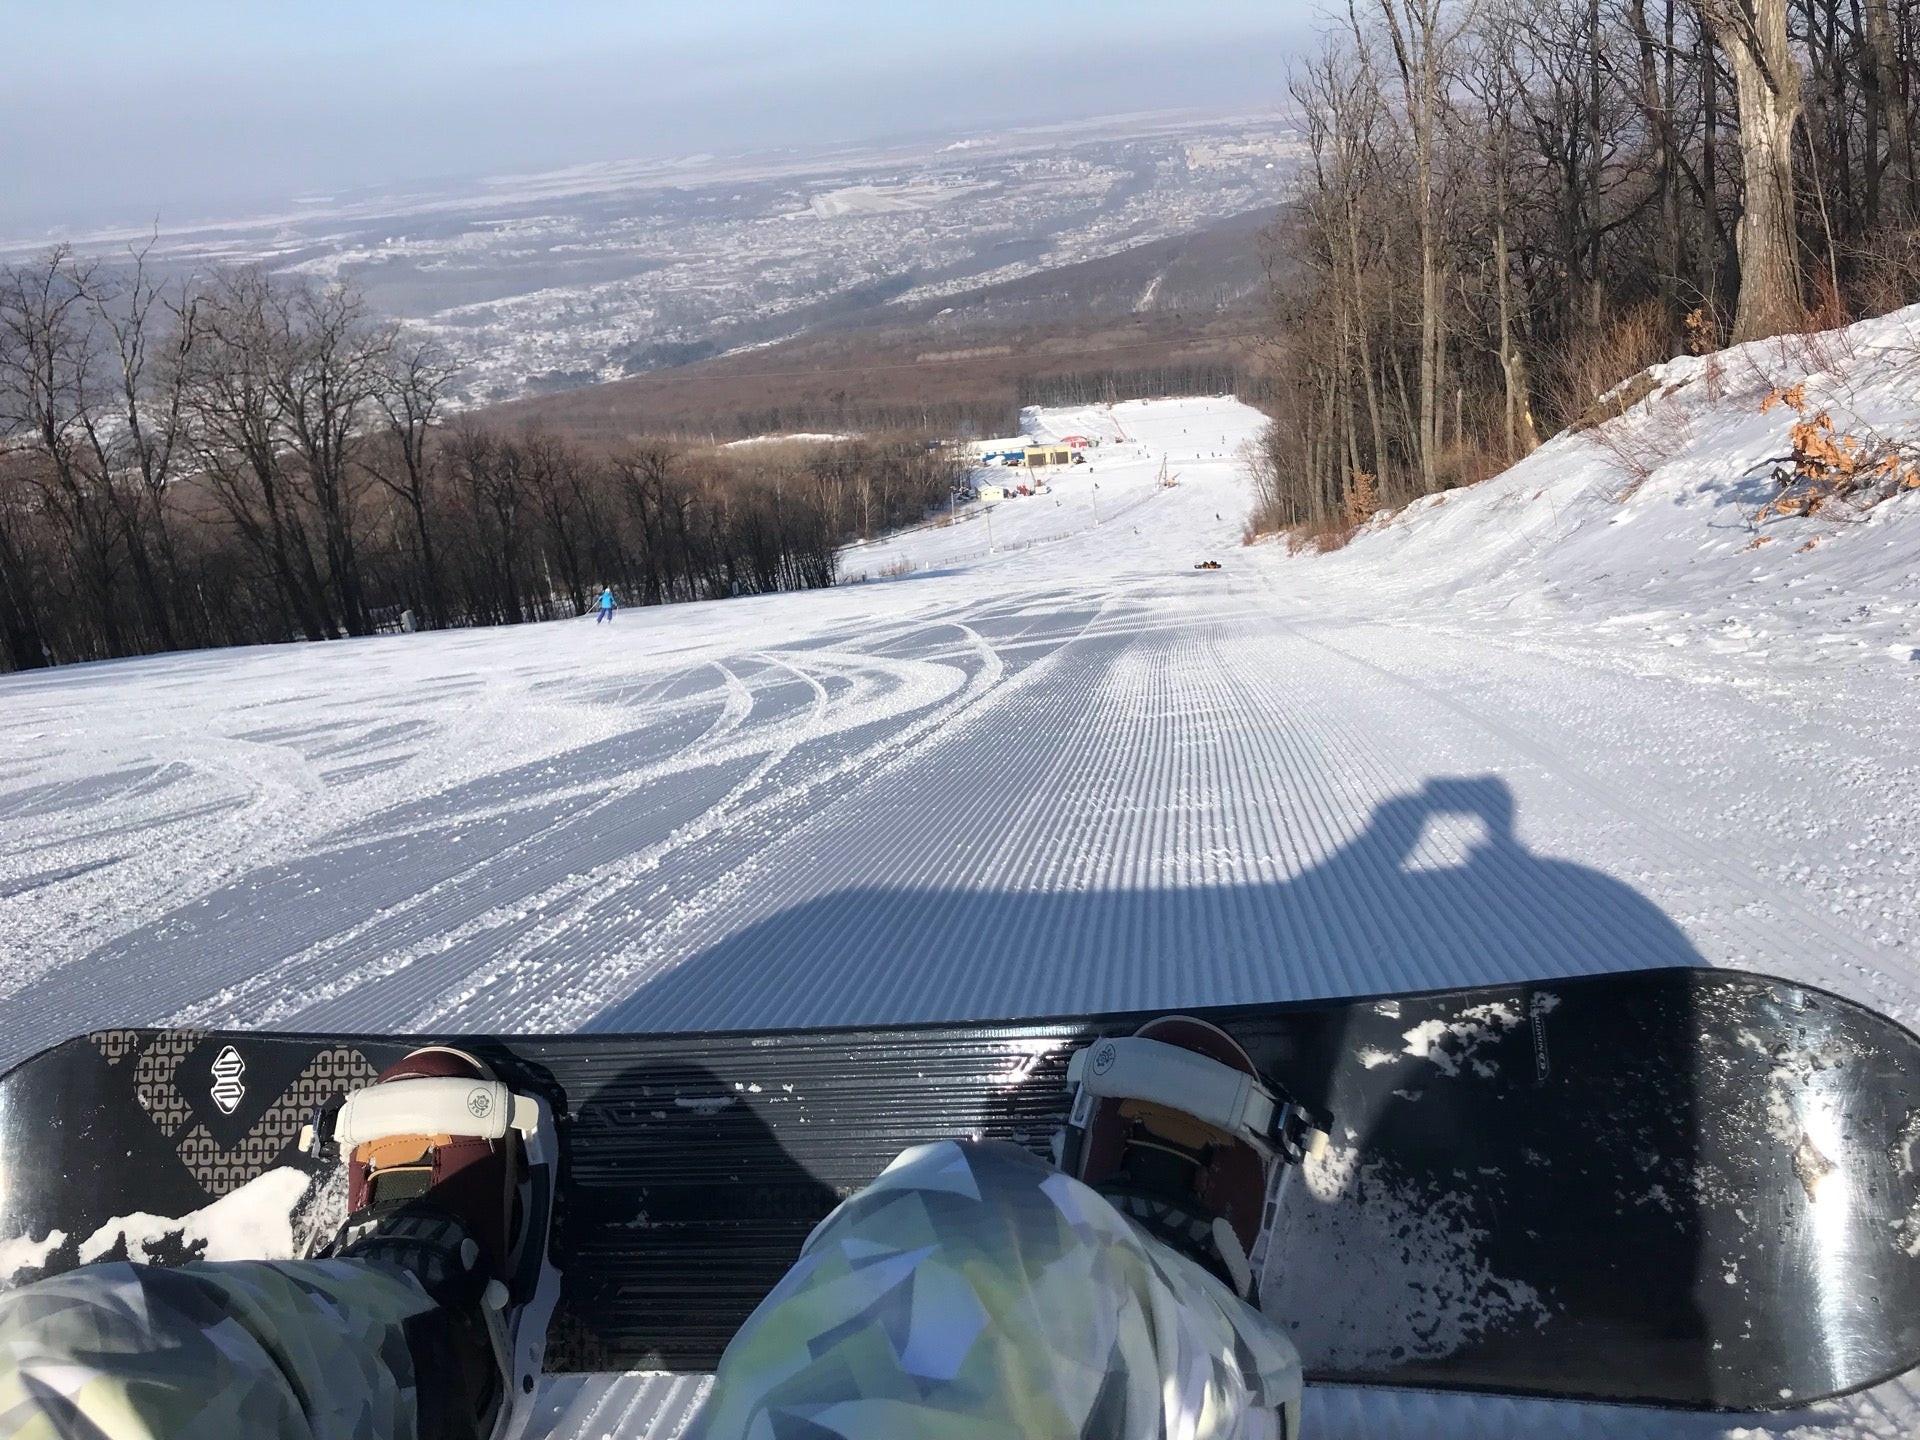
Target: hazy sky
point(123, 109)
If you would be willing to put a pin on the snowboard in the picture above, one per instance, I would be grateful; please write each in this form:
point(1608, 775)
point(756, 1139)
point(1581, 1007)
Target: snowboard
point(1683, 1187)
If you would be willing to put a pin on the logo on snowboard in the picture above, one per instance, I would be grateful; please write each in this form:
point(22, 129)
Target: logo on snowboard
point(479, 1103)
point(1104, 1054)
point(227, 1090)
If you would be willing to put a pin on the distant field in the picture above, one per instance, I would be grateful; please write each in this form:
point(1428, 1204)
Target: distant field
point(1171, 316)
point(545, 282)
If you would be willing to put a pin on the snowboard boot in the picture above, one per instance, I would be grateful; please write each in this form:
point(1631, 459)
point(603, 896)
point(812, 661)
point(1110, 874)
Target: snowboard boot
point(450, 1178)
point(1176, 1129)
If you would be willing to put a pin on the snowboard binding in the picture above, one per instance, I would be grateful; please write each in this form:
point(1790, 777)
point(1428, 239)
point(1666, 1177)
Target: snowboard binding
point(451, 1177)
point(1176, 1128)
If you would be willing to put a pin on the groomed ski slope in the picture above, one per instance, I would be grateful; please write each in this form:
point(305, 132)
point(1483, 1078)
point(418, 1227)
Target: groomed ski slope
point(1496, 738)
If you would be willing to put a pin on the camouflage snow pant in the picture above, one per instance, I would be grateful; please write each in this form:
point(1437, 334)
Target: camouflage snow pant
point(295, 1350)
point(969, 1292)
point(972, 1292)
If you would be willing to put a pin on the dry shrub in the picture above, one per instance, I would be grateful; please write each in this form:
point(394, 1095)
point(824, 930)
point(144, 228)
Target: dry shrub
point(1833, 470)
point(1362, 500)
point(894, 569)
point(1641, 444)
point(1616, 402)
point(1358, 506)
point(1704, 329)
point(1824, 351)
point(1829, 310)
point(1467, 462)
point(1888, 272)
point(1794, 397)
point(1595, 365)
point(1327, 541)
point(1322, 538)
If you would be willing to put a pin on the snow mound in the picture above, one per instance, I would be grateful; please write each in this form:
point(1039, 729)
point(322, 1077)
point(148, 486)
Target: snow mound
point(1651, 527)
point(1163, 485)
point(802, 437)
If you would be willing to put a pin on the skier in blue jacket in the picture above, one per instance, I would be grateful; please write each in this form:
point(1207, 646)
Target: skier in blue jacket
point(607, 604)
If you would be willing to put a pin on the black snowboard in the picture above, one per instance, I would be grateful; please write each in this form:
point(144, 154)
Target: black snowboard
point(1683, 1187)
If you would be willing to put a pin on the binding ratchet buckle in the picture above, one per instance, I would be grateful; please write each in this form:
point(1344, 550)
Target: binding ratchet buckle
point(427, 1106)
point(1296, 1131)
point(1136, 1068)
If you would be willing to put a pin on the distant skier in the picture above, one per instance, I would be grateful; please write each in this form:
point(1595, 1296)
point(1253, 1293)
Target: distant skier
point(972, 1290)
point(607, 604)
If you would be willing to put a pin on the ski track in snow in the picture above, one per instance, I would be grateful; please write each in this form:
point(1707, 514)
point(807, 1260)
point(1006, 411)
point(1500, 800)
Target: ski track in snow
point(1068, 773)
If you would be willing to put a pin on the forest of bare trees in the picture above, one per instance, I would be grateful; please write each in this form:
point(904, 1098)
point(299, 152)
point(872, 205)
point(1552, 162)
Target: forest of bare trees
point(1509, 206)
point(1506, 208)
point(239, 458)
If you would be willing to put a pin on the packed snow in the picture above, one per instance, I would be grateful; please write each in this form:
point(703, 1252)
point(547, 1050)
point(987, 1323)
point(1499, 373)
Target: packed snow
point(802, 437)
point(1038, 762)
point(251, 1223)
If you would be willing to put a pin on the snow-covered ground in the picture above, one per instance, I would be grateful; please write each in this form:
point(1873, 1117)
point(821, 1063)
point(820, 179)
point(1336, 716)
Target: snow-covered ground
point(802, 437)
point(1514, 734)
point(1143, 452)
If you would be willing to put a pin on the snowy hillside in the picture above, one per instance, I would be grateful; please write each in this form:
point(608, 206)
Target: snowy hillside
point(1161, 474)
point(1640, 534)
point(1525, 731)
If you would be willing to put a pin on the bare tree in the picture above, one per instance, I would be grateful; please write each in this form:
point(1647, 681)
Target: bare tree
point(410, 393)
point(25, 643)
point(1420, 35)
point(645, 475)
point(233, 397)
point(554, 476)
point(135, 433)
point(1495, 81)
point(326, 364)
point(1339, 97)
point(47, 395)
point(1887, 102)
point(1767, 83)
point(491, 474)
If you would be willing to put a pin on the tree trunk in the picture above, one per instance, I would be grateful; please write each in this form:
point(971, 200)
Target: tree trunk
point(1416, 30)
point(1658, 105)
point(1712, 260)
point(432, 601)
point(1591, 262)
point(1891, 181)
point(1522, 438)
point(1767, 83)
point(1376, 432)
point(22, 645)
